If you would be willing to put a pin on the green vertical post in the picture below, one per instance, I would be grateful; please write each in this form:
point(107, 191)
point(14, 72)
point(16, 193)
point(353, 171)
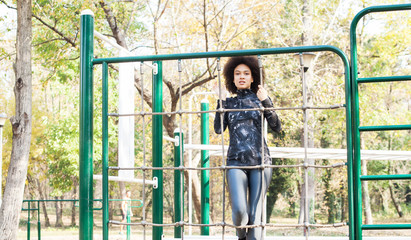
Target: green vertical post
point(178, 183)
point(157, 144)
point(205, 174)
point(86, 125)
point(129, 221)
point(105, 149)
point(28, 220)
point(38, 221)
point(356, 167)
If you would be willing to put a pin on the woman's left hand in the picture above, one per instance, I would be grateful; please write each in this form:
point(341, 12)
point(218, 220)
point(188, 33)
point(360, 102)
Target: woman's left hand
point(262, 93)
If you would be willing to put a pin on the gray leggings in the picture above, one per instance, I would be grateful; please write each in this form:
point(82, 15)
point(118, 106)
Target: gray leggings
point(247, 213)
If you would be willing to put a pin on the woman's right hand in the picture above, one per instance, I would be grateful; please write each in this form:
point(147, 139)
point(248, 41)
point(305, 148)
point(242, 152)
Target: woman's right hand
point(223, 92)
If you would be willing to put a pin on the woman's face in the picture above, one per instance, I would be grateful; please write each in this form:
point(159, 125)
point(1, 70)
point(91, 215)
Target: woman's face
point(242, 77)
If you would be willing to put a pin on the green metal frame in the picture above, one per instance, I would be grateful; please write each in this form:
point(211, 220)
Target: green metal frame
point(178, 182)
point(29, 209)
point(205, 174)
point(86, 125)
point(356, 128)
point(157, 107)
point(157, 144)
point(86, 128)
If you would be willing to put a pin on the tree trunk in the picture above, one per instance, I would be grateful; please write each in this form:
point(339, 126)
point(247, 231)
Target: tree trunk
point(366, 195)
point(43, 204)
point(343, 196)
point(73, 206)
point(196, 186)
point(391, 187)
point(59, 217)
point(122, 188)
point(21, 125)
point(394, 201)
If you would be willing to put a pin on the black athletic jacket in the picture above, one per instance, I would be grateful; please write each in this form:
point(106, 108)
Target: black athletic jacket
point(245, 128)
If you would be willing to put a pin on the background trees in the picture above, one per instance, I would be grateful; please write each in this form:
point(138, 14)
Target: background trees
point(21, 125)
point(161, 27)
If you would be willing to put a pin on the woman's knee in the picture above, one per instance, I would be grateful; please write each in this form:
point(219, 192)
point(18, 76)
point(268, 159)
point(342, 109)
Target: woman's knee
point(240, 217)
point(254, 217)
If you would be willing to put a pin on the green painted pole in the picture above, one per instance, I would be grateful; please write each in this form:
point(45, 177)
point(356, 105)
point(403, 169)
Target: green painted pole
point(350, 151)
point(178, 183)
point(105, 150)
point(86, 125)
point(356, 168)
point(232, 53)
point(129, 221)
point(384, 79)
point(386, 177)
point(157, 144)
point(38, 221)
point(384, 128)
point(28, 221)
point(205, 174)
point(386, 226)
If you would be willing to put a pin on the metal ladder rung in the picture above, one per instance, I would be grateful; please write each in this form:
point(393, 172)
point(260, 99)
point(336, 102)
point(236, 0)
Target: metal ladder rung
point(384, 79)
point(386, 226)
point(385, 177)
point(384, 128)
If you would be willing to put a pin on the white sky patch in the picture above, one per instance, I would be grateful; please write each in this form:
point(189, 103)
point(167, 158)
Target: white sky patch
point(8, 22)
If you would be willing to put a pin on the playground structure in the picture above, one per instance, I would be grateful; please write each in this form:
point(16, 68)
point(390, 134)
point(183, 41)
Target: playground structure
point(353, 129)
point(133, 204)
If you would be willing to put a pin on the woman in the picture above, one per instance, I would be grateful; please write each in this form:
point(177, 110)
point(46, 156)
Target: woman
point(242, 77)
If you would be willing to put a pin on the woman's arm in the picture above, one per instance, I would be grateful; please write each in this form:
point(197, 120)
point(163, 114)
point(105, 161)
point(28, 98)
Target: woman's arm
point(272, 118)
point(222, 94)
point(217, 119)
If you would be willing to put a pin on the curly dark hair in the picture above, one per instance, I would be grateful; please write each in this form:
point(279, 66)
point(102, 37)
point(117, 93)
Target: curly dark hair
point(251, 62)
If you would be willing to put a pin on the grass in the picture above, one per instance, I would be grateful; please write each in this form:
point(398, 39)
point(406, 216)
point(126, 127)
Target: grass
point(68, 233)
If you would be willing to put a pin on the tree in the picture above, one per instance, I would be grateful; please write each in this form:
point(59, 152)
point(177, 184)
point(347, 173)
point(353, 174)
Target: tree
point(21, 124)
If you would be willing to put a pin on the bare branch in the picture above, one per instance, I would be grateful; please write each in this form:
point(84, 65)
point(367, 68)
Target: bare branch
point(67, 39)
point(49, 40)
point(147, 96)
point(162, 12)
point(112, 22)
point(193, 84)
point(8, 5)
point(8, 55)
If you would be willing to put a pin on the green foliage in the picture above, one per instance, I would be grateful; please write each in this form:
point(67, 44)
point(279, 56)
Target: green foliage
point(236, 26)
point(282, 181)
point(62, 147)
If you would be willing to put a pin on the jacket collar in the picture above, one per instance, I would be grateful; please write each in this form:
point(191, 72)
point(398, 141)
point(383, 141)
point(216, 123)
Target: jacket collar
point(244, 92)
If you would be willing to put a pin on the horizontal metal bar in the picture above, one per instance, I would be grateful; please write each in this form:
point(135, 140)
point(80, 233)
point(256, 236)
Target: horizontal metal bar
point(385, 177)
point(51, 200)
point(29, 209)
point(382, 8)
point(384, 79)
point(181, 168)
point(123, 179)
point(219, 224)
point(265, 51)
point(386, 226)
point(66, 200)
point(336, 106)
point(384, 128)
